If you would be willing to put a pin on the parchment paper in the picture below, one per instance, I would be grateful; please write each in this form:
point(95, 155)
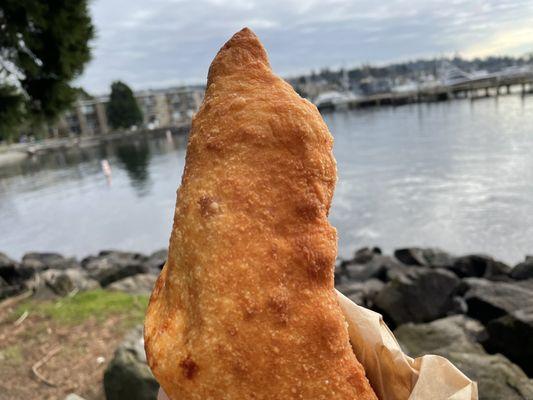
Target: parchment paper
point(394, 375)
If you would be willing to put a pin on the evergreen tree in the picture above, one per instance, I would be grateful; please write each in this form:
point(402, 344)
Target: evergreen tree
point(11, 111)
point(43, 46)
point(122, 109)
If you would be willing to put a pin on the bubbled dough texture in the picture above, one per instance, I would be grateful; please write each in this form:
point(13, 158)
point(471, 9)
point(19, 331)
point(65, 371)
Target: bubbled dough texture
point(245, 307)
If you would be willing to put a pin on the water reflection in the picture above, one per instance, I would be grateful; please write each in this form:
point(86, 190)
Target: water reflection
point(456, 175)
point(135, 158)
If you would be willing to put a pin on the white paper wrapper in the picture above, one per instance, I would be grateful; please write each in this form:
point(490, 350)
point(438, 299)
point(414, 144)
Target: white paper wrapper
point(394, 375)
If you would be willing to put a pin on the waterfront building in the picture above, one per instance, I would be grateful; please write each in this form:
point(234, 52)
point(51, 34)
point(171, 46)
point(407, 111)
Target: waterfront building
point(182, 103)
point(87, 117)
point(160, 108)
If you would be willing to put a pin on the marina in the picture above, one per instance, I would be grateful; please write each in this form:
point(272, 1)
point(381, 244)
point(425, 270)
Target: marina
point(461, 85)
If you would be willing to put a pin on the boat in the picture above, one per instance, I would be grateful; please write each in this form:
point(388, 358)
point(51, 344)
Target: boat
point(334, 100)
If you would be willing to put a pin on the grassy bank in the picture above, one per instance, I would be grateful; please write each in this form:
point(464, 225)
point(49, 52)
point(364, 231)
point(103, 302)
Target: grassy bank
point(75, 336)
point(99, 304)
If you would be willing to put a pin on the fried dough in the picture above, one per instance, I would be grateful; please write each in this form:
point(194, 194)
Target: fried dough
point(245, 306)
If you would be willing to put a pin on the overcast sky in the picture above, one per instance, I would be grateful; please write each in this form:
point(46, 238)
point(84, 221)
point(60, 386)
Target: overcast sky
point(158, 43)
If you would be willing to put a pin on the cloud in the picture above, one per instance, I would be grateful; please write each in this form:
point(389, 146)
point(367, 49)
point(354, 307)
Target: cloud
point(173, 41)
point(515, 40)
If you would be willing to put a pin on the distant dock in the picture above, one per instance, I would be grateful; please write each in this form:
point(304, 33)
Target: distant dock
point(486, 86)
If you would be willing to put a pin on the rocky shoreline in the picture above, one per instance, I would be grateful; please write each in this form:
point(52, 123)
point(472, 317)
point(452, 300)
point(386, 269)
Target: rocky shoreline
point(473, 309)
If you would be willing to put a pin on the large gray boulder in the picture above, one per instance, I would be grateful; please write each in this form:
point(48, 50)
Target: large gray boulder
point(111, 266)
point(8, 269)
point(488, 300)
point(157, 260)
point(374, 268)
point(7, 290)
point(480, 266)
point(418, 295)
point(457, 331)
point(416, 256)
point(456, 339)
point(524, 270)
point(365, 254)
point(136, 284)
point(525, 284)
point(55, 282)
point(128, 376)
point(512, 335)
point(11, 282)
point(362, 293)
point(41, 261)
point(367, 263)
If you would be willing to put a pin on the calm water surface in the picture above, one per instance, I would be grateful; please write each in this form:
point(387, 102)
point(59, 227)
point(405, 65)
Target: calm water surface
point(455, 175)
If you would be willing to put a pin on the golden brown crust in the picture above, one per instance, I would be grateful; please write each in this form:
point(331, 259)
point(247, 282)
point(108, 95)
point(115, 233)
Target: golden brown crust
point(245, 306)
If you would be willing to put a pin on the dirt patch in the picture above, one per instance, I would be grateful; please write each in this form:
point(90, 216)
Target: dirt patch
point(80, 348)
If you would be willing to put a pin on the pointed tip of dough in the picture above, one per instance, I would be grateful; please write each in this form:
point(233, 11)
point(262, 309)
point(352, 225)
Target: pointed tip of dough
point(244, 33)
point(246, 40)
point(240, 52)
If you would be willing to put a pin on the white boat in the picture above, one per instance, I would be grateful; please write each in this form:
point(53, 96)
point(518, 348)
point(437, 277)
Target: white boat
point(334, 99)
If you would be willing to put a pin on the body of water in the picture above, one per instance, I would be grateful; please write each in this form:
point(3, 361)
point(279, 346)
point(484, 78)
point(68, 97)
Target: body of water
point(456, 175)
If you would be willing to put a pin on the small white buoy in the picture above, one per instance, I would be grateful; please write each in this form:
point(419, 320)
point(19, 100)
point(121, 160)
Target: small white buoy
point(106, 169)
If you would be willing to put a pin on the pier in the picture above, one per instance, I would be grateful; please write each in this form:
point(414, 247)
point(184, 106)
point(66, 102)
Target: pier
point(468, 87)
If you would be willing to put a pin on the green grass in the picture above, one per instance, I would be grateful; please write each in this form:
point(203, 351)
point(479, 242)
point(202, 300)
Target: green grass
point(11, 354)
point(99, 304)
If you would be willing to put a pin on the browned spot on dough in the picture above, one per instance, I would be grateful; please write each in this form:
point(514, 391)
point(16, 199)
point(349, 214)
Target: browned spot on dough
point(318, 263)
point(208, 206)
point(329, 333)
point(220, 350)
point(310, 209)
point(213, 143)
point(232, 331)
point(165, 325)
point(280, 306)
point(189, 368)
point(239, 367)
point(320, 268)
point(237, 104)
point(354, 378)
point(250, 309)
point(274, 251)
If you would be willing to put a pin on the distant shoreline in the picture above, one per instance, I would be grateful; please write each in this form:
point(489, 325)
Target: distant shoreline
point(17, 152)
